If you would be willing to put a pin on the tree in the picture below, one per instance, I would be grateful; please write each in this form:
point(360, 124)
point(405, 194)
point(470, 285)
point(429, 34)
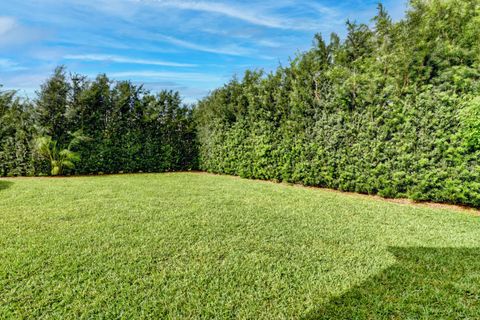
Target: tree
point(391, 110)
point(51, 106)
point(16, 131)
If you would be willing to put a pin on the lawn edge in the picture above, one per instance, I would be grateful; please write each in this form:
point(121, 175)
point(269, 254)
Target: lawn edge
point(399, 201)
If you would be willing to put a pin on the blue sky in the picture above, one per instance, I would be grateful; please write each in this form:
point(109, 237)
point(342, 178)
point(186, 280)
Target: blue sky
point(189, 46)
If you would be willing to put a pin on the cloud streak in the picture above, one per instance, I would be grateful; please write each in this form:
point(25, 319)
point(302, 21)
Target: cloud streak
point(6, 25)
point(232, 50)
point(9, 65)
point(126, 60)
point(190, 76)
point(226, 10)
point(12, 33)
point(247, 14)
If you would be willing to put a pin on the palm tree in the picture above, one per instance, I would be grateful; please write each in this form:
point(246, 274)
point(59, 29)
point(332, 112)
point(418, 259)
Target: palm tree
point(59, 158)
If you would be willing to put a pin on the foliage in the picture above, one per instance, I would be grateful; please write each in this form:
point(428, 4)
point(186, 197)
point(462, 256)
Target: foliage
point(471, 124)
point(60, 159)
point(129, 129)
point(16, 131)
point(199, 246)
point(392, 110)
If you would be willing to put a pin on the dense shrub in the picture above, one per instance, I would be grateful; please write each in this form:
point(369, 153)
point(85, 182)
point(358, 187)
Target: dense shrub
point(16, 130)
point(126, 128)
point(392, 110)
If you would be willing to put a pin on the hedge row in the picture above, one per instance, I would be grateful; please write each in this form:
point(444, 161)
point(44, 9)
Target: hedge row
point(393, 110)
point(125, 128)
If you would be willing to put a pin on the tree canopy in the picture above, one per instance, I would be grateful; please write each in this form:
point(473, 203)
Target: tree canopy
point(124, 128)
point(392, 109)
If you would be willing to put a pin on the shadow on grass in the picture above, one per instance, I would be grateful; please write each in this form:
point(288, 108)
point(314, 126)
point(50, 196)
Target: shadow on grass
point(433, 283)
point(5, 185)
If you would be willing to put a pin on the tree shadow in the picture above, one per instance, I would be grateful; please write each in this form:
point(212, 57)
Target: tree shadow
point(425, 283)
point(5, 185)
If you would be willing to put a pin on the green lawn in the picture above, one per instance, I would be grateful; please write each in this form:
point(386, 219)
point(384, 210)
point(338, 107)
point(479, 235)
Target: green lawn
point(190, 245)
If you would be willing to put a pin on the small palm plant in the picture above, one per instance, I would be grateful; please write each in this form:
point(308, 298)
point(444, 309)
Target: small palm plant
point(59, 158)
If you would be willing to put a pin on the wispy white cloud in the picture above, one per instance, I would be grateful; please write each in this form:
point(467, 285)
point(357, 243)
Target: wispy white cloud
point(119, 59)
point(9, 65)
point(13, 33)
point(226, 10)
point(269, 43)
point(322, 9)
point(272, 42)
point(190, 76)
point(6, 25)
point(250, 14)
point(233, 50)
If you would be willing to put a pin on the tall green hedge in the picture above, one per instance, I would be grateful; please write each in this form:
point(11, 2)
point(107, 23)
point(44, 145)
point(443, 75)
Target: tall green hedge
point(126, 128)
point(392, 109)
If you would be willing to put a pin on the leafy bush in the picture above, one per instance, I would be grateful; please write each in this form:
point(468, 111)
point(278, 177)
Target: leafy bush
point(392, 110)
point(471, 124)
point(129, 129)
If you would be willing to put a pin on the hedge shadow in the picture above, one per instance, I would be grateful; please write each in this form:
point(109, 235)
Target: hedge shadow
point(5, 185)
point(433, 283)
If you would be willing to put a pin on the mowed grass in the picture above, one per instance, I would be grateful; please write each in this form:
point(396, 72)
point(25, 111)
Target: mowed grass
point(189, 245)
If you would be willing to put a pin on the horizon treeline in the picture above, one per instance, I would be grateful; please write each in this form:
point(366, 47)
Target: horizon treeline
point(393, 109)
point(124, 128)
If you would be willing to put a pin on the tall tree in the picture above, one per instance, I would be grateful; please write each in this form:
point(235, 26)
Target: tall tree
point(51, 106)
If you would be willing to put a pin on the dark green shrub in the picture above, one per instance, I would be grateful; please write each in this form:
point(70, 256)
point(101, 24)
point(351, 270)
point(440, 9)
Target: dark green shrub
point(392, 110)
